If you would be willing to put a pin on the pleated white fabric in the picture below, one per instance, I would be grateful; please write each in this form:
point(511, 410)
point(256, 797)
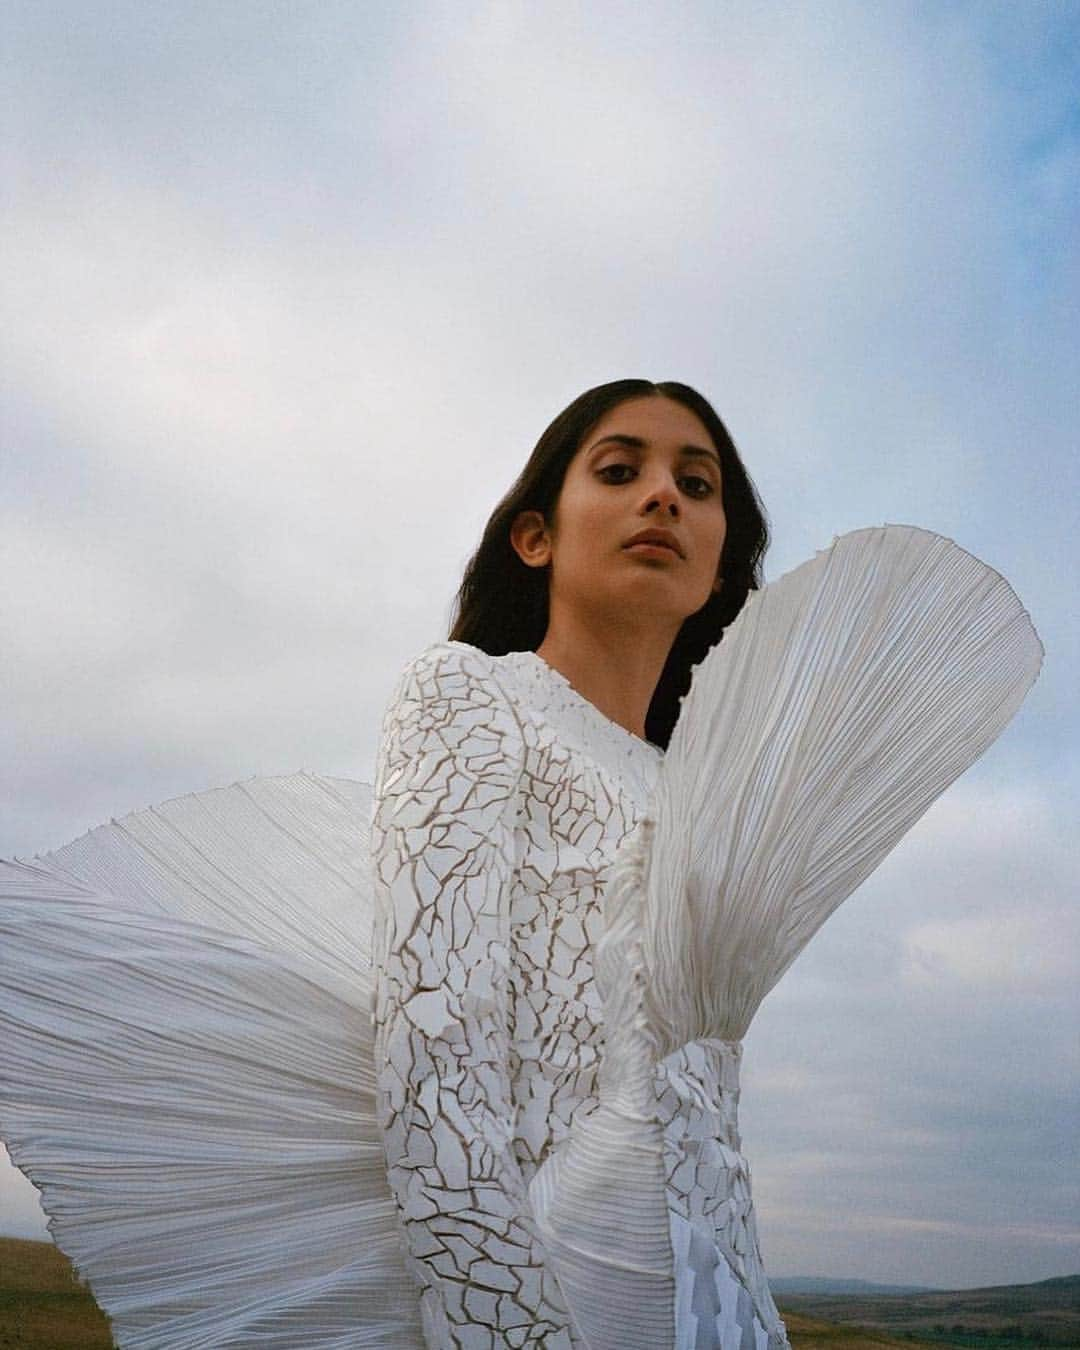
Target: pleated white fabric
point(843, 700)
point(608, 1178)
point(194, 1095)
point(186, 1045)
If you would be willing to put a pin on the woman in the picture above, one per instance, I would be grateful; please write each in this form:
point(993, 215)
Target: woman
point(561, 977)
point(631, 538)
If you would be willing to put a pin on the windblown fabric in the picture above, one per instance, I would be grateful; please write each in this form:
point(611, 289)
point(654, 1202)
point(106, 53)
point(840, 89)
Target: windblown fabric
point(845, 698)
point(186, 1069)
point(234, 1153)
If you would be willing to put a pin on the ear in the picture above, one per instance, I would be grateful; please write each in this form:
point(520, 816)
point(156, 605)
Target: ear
point(530, 539)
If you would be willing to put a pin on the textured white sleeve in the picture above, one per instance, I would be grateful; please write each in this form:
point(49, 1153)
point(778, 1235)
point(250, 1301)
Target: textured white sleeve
point(443, 848)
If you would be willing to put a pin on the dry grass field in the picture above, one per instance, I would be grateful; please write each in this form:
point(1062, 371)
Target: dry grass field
point(1041, 1316)
point(808, 1333)
point(42, 1304)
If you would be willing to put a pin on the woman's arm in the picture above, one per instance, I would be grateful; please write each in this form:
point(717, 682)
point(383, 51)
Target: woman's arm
point(443, 847)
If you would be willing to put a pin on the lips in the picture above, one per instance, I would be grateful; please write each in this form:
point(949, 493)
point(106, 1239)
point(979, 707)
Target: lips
point(663, 538)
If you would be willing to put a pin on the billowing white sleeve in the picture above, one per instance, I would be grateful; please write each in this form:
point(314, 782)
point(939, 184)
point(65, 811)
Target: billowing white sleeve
point(842, 701)
point(443, 849)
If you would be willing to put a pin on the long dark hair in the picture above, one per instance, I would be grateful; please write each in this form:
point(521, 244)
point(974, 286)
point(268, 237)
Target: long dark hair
point(502, 605)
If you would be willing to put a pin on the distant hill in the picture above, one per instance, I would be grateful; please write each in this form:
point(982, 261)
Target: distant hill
point(824, 1284)
point(1007, 1317)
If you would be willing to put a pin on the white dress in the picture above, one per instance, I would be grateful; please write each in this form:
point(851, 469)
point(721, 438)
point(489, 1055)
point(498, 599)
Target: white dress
point(502, 796)
point(534, 1140)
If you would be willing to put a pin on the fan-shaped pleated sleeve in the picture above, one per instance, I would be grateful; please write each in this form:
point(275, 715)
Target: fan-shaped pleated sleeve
point(450, 763)
point(843, 700)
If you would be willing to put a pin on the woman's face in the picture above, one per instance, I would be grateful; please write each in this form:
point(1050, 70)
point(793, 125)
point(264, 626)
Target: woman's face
point(648, 467)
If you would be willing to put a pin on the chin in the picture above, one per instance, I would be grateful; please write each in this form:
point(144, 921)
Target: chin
point(660, 604)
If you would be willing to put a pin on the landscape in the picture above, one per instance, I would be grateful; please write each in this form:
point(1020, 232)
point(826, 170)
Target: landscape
point(1002, 1317)
point(44, 1307)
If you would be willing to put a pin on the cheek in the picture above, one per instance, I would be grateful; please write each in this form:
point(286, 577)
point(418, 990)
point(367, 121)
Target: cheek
point(582, 512)
point(715, 535)
point(711, 555)
point(584, 539)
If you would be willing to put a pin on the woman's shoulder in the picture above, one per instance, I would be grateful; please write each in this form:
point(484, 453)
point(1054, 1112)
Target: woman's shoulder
point(449, 705)
point(455, 682)
point(449, 668)
point(461, 694)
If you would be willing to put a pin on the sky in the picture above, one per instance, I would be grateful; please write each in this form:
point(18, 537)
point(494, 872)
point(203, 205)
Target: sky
point(291, 289)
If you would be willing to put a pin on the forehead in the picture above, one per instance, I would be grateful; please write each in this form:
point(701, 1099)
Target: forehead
point(655, 419)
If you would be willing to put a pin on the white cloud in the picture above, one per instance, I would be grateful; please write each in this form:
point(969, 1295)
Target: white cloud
point(1021, 952)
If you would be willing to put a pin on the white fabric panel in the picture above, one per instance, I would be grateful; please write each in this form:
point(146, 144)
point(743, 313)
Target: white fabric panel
point(843, 700)
point(194, 1102)
point(282, 860)
point(600, 1200)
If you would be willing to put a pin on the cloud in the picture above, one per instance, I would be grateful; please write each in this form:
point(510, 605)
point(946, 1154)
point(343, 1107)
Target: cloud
point(911, 1075)
point(1016, 952)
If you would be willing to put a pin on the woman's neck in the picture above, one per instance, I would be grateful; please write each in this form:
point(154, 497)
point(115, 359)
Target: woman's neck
point(615, 666)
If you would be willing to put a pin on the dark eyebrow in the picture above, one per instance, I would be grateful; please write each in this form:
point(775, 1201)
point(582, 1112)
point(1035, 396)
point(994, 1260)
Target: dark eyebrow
point(699, 452)
point(636, 443)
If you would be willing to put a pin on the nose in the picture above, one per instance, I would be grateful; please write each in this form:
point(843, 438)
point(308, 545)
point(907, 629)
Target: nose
point(661, 496)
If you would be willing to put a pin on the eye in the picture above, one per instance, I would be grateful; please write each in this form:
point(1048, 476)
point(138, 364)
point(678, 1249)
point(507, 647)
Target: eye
point(617, 473)
point(696, 486)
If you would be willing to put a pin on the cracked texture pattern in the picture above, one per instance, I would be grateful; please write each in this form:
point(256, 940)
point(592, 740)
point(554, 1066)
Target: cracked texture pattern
point(501, 796)
point(722, 1296)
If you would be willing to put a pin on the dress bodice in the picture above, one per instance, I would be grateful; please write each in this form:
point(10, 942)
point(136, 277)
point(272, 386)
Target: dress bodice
point(517, 792)
point(584, 782)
